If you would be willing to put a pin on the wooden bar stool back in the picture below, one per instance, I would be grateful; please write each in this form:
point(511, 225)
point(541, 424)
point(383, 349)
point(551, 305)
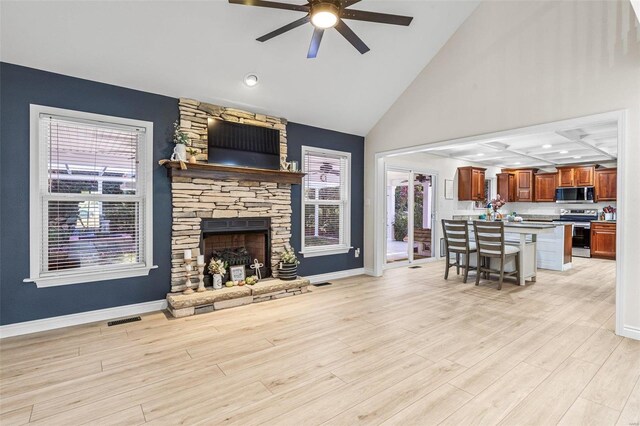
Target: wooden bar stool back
point(456, 239)
point(490, 244)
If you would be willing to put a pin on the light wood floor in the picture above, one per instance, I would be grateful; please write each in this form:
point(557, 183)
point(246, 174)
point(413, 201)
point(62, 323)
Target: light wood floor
point(408, 348)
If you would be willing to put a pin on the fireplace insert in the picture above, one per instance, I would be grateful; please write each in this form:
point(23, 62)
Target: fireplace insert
point(238, 242)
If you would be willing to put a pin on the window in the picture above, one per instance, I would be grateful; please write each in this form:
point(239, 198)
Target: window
point(326, 202)
point(91, 197)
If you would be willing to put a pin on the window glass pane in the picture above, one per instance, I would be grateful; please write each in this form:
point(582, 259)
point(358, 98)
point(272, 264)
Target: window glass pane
point(324, 177)
point(83, 156)
point(322, 225)
point(91, 233)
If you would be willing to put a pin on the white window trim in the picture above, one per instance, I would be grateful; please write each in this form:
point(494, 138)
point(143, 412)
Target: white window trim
point(37, 164)
point(334, 249)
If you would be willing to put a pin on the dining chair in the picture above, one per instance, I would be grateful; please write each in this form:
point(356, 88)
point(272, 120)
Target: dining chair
point(490, 244)
point(456, 240)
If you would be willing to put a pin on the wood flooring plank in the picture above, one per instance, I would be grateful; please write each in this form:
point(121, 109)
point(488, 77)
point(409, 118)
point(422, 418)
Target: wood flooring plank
point(586, 413)
point(130, 417)
point(17, 417)
point(617, 377)
point(631, 412)
point(548, 402)
point(491, 405)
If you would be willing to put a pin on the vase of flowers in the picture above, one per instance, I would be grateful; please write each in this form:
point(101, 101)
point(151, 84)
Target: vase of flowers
point(181, 140)
point(288, 269)
point(496, 204)
point(192, 155)
point(217, 268)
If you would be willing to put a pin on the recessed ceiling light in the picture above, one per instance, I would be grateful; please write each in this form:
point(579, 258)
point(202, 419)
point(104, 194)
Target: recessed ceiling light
point(564, 152)
point(480, 154)
point(547, 146)
point(577, 157)
point(517, 163)
point(250, 80)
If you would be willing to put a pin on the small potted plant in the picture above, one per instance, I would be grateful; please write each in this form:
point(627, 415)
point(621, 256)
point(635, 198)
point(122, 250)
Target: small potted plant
point(181, 140)
point(192, 155)
point(217, 268)
point(288, 265)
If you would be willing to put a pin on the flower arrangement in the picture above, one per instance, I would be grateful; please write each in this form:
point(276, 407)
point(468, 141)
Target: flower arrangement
point(497, 203)
point(288, 256)
point(217, 267)
point(180, 137)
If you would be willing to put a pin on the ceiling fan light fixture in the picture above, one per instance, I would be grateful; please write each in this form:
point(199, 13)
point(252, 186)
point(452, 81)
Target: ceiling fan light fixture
point(324, 15)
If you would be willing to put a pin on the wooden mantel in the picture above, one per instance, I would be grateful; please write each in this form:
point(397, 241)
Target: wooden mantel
point(216, 171)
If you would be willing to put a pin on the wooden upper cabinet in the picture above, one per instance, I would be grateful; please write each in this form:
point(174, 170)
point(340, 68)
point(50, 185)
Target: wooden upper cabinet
point(545, 187)
point(525, 188)
point(565, 176)
point(584, 176)
point(576, 176)
point(471, 184)
point(603, 240)
point(507, 186)
point(606, 182)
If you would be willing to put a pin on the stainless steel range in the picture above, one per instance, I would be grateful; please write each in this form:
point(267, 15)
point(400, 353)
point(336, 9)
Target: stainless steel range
point(581, 220)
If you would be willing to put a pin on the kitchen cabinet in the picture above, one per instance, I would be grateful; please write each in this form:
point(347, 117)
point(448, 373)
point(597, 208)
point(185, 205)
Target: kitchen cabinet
point(576, 176)
point(471, 184)
point(603, 240)
point(606, 181)
point(525, 188)
point(507, 186)
point(545, 187)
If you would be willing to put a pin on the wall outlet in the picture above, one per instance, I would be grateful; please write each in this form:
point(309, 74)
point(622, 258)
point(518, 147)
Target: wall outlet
point(356, 252)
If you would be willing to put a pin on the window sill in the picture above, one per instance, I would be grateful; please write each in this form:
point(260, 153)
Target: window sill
point(325, 252)
point(86, 277)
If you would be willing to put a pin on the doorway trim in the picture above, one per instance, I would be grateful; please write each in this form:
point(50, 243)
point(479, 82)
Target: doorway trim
point(621, 118)
point(434, 209)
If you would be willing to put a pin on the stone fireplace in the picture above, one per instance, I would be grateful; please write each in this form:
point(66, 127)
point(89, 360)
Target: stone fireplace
point(206, 198)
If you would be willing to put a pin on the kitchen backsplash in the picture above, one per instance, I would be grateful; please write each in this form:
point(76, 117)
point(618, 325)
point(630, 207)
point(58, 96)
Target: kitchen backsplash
point(551, 208)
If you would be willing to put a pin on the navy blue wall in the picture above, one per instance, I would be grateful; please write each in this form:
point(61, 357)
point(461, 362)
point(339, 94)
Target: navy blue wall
point(299, 135)
point(20, 87)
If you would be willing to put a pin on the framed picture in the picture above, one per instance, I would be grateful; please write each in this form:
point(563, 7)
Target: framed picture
point(237, 273)
point(448, 189)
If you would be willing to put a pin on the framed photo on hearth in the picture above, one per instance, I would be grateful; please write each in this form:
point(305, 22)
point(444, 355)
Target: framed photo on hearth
point(237, 273)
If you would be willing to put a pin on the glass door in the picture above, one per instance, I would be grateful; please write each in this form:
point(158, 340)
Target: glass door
point(409, 208)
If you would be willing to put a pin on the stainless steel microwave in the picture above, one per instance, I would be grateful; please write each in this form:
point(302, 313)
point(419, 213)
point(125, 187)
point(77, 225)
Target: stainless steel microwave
point(584, 194)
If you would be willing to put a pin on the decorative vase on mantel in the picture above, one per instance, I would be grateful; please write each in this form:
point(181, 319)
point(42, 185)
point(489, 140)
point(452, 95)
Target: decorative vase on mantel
point(288, 271)
point(179, 152)
point(217, 281)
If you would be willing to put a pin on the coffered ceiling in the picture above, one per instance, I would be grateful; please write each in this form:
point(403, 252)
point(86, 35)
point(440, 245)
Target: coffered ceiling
point(203, 49)
point(593, 143)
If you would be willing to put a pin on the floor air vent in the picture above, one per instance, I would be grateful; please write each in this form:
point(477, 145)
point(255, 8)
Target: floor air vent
point(415, 267)
point(320, 284)
point(124, 321)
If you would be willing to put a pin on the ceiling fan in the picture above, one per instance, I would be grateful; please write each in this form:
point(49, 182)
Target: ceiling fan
point(325, 14)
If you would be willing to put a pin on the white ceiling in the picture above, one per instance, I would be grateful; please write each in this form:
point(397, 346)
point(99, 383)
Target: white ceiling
point(203, 49)
point(596, 142)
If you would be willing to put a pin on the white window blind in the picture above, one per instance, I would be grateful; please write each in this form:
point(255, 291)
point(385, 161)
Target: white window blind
point(92, 200)
point(326, 201)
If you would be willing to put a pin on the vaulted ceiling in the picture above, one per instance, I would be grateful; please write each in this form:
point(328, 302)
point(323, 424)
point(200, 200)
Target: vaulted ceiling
point(203, 50)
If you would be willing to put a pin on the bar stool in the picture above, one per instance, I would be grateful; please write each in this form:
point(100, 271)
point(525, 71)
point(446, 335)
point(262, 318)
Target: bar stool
point(456, 239)
point(490, 243)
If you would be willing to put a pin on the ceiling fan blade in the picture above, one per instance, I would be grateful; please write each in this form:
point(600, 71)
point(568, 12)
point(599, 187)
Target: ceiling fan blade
point(282, 30)
point(272, 4)
point(347, 3)
point(351, 37)
point(315, 43)
point(382, 18)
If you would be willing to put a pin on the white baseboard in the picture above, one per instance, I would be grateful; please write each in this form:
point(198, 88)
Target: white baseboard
point(369, 271)
point(80, 318)
point(335, 275)
point(630, 332)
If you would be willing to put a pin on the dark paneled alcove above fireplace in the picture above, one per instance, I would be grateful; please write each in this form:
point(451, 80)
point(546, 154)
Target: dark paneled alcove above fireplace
point(238, 242)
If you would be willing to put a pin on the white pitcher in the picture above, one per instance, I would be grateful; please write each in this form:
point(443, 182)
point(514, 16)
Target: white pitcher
point(179, 153)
